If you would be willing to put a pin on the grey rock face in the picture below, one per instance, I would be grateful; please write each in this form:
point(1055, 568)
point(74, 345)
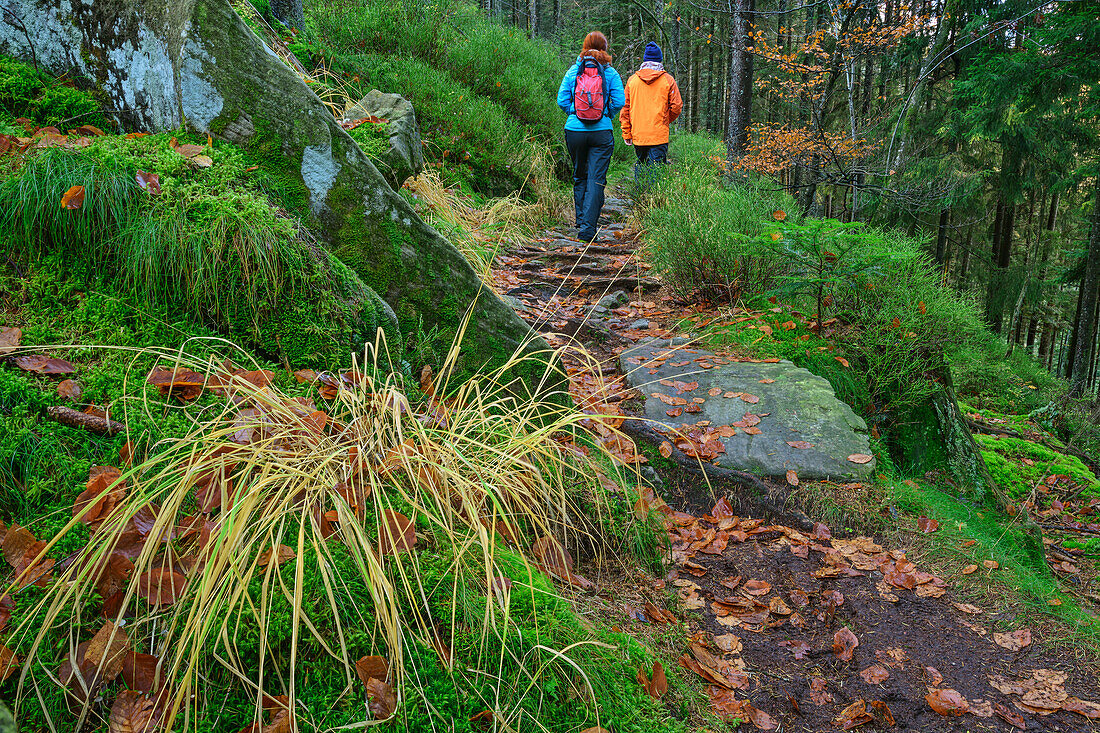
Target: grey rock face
point(405, 157)
point(794, 406)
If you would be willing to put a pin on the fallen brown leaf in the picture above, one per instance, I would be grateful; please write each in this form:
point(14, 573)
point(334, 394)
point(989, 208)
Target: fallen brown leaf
point(926, 525)
point(655, 686)
point(1014, 641)
point(874, 674)
point(946, 701)
point(844, 644)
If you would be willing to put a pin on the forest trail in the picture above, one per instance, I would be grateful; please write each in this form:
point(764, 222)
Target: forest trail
point(788, 628)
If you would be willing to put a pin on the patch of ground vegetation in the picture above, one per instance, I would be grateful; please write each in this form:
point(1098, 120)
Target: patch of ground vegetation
point(863, 308)
point(132, 261)
point(492, 133)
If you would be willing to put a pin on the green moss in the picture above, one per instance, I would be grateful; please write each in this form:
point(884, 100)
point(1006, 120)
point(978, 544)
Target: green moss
point(45, 100)
point(276, 176)
point(373, 139)
point(209, 243)
point(1020, 465)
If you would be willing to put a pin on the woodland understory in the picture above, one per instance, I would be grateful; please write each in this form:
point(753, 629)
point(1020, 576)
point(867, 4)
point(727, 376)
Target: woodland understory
point(271, 461)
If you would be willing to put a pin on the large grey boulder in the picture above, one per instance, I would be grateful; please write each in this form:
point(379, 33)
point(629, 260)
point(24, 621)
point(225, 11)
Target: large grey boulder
point(405, 156)
point(169, 63)
point(780, 403)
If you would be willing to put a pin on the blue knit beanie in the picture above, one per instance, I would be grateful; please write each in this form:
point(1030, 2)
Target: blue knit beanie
point(652, 52)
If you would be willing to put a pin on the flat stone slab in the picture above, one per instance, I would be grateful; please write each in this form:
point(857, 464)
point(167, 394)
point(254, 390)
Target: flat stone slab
point(769, 405)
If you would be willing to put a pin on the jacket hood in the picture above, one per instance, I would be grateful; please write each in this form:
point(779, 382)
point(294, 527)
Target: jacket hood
point(650, 75)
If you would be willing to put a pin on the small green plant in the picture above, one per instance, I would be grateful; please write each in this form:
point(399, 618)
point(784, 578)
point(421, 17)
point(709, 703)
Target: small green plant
point(826, 260)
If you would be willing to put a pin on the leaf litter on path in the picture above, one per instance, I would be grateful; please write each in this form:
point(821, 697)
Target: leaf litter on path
point(756, 590)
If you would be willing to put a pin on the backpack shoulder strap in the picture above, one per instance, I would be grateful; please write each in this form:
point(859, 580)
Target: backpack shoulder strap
point(603, 85)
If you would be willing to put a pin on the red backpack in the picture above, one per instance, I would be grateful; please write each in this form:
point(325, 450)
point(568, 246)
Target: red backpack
point(589, 94)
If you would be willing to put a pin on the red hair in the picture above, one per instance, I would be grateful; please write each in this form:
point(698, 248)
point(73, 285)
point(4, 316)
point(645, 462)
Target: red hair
point(595, 45)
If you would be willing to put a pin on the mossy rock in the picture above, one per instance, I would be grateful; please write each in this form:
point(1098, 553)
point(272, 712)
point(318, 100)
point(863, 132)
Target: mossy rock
point(403, 155)
point(224, 256)
point(202, 68)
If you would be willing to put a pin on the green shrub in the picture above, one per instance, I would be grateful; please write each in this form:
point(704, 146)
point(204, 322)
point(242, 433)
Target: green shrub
point(702, 234)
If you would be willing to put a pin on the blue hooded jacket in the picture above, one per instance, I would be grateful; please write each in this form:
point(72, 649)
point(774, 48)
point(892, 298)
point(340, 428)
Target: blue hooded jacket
point(616, 94)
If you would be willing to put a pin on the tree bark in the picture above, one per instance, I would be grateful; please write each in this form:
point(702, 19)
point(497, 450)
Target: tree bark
point(289, 13)
point(946, 19)
point(1081, 358)
point(941, 236)
point(1046, 340)
point(739, 116)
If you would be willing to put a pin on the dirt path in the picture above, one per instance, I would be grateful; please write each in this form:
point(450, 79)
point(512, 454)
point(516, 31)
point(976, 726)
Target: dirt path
point(790, 630)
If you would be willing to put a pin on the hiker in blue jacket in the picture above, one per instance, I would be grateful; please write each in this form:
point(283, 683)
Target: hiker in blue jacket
point(591, 102)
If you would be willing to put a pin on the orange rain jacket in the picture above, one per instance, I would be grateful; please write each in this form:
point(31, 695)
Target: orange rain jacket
point(652, 103)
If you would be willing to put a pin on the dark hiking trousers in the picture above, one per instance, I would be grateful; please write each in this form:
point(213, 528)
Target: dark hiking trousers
point(591, 155)
point(649, 156)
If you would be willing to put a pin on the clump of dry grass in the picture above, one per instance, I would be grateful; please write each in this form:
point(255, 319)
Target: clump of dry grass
point(189, 548)
point(479, 231)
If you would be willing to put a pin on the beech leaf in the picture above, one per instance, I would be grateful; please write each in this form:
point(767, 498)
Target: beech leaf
point(1014, 641)
point(874, 674)
point(844, 644)
point(73, 198)
point(946, 701)
point(132, 712)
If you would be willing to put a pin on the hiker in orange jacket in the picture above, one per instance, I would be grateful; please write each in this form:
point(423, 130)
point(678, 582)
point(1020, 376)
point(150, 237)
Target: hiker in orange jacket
point(652, 103)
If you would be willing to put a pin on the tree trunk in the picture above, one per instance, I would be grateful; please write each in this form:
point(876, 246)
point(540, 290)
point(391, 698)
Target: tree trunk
point(964, 263)
point(1046, 341)
point(696, 84)
point(739, 116)
point(289, 13)
point(946, 19)
point(941, 236)
point(1081, 358)
point(935, 436)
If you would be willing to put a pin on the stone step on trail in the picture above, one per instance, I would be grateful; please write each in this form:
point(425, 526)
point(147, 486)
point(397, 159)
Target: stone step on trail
point(791, 406)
